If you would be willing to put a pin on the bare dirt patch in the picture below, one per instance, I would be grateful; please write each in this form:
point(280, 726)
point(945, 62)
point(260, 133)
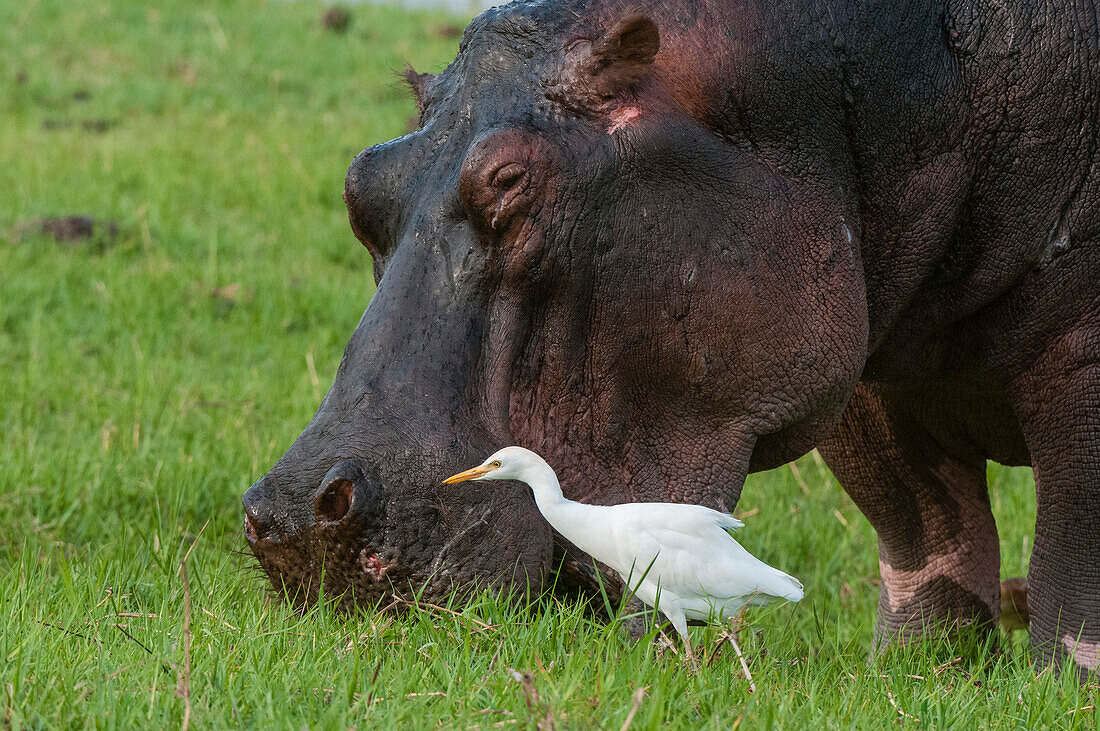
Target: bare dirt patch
point(71, 230)
point(447, 31)
point(336, 19)
point(97, 126)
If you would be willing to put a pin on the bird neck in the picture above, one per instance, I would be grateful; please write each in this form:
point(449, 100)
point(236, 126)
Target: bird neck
point(544, 484)
point(577, 522)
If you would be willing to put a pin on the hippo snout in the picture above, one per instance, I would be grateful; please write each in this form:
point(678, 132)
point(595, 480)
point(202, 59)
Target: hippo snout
point(300, 528)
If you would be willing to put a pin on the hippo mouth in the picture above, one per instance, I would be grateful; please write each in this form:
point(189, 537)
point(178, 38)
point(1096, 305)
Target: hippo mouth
point(347, 570)
point(306, 570)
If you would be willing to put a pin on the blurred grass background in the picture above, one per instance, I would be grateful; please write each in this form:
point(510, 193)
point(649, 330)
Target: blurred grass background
point(148, 376)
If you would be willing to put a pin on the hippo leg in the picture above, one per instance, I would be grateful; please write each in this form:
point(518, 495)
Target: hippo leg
point(938, 552)
point(1061, 422)
point(634, 618)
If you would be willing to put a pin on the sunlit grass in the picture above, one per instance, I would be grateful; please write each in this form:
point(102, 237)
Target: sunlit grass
point(146, 384)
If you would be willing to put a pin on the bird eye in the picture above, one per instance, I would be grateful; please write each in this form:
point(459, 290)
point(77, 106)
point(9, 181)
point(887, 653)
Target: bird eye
point(495, 464)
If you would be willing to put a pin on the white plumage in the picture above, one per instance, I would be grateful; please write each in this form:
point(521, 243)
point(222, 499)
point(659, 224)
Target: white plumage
point(677, 558)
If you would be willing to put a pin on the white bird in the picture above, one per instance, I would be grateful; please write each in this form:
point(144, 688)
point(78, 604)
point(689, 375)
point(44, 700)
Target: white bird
point(675, 557)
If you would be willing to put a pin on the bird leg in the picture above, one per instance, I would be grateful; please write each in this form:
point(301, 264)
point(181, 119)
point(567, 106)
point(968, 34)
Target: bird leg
point(679, 623)
point(690, 653)
point(730, 635)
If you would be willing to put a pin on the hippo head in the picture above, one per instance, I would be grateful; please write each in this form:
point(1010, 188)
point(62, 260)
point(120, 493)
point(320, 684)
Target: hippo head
point(610, 240)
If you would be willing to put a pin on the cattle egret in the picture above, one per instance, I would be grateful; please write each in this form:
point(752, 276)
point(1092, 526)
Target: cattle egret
point(677, 558)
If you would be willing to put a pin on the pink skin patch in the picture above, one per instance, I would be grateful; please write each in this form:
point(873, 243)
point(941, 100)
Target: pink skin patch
point(622, 116)
point(902, 586)
point(1085, 654)
point(373, 566)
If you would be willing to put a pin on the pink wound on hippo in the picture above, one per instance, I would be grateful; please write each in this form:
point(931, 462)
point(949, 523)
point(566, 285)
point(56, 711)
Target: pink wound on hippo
point(373, 566)
point(622, 116)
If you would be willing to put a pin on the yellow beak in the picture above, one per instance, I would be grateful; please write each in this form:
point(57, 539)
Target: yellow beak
point(469, 474)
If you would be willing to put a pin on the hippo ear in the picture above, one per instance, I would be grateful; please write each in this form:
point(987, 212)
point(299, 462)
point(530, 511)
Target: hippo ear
point(623, 55)
point(607, 67)
point(418, 83)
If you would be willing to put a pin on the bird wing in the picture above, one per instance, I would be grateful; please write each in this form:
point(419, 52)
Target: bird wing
point(687, 550)
point(688, 516)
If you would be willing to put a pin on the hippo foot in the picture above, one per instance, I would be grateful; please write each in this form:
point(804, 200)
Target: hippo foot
point(943, 602)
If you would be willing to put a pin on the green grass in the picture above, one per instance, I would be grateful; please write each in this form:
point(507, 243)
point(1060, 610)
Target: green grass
point(137, 405)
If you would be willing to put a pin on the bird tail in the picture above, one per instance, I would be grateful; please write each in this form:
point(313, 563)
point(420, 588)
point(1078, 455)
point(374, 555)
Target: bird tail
point(780, 586)
point(728, 522)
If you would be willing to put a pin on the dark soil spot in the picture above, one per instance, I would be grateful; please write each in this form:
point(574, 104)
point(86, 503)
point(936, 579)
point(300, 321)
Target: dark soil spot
point(98, 126)
point(21, 78)
point(81, 95)
point(446, 31)
point(73, 230)
point(337, 19)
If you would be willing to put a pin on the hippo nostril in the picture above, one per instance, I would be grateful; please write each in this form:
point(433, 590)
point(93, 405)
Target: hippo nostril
point(334, 502)
point(250, 531)
point(349, 497)
point(259, 520)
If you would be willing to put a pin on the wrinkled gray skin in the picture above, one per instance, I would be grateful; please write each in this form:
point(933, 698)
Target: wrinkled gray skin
point(667, 244)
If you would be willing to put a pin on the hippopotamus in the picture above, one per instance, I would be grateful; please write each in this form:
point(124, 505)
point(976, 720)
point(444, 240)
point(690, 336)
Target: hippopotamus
point(666, 243)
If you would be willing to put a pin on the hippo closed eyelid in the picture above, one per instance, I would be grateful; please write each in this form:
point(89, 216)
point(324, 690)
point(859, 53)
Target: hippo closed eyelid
point(508, 175)
point(502, 176)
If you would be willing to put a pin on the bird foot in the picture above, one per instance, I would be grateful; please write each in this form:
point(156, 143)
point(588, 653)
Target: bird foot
point(664, 645)
point(692, 660)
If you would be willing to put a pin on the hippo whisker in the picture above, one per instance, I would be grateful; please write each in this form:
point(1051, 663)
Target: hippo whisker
point(433, 575)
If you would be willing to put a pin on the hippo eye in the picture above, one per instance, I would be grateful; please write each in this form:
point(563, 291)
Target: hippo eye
point(502, 177)
point(508, 176)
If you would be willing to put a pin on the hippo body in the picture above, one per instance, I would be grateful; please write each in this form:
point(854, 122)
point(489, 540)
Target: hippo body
point(669, 243)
